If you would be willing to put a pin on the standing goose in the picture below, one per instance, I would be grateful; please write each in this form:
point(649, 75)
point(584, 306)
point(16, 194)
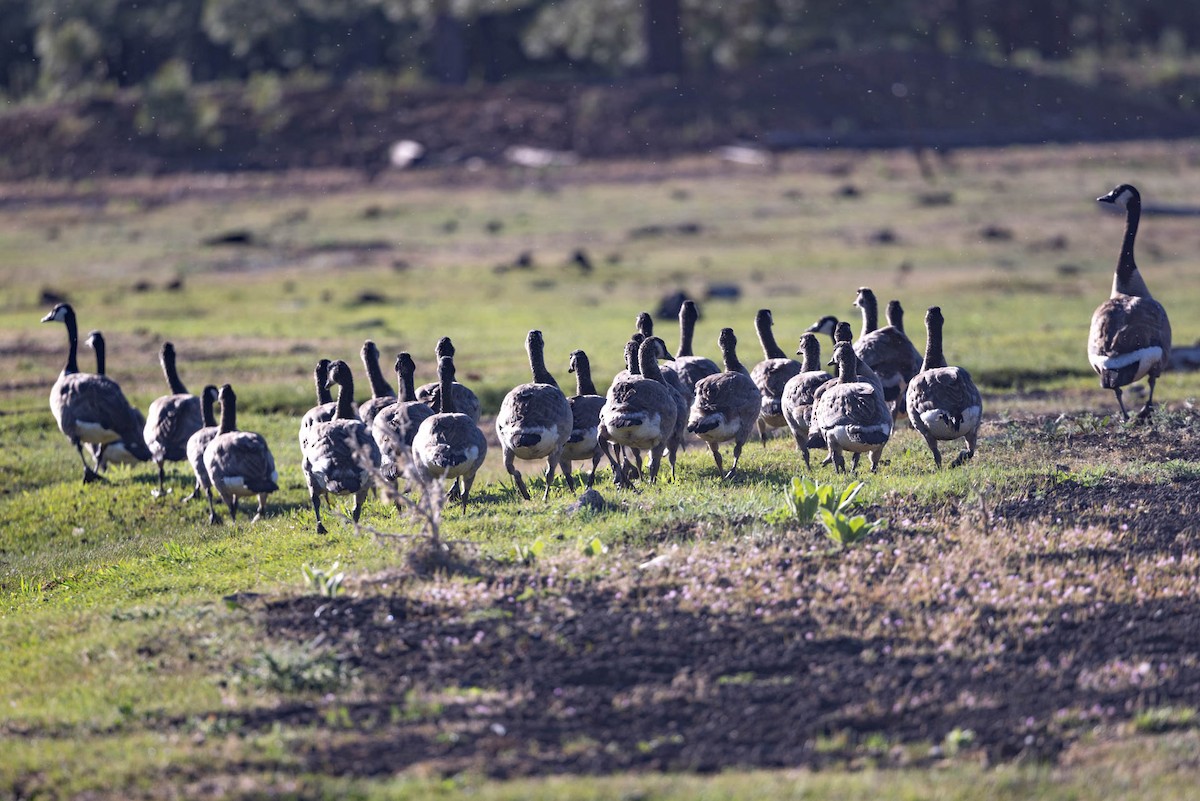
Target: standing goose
point(172, 419)
point(641, 411)
point(584, 442)
point(466, 401)
point(645, 327)
point(690, 367)
point(943, 403)
point(798, 393)
point(238, 462)
point(886, 350)
point(449, 445)
point(113, 452)
point(852, 414)
point(395, 426)
point(771, 375)
point(727, 405)
point(1131, 335)
point(382, 393)
point(535, 419)
point(197, 444)
point(91, 408)
point(333, 454)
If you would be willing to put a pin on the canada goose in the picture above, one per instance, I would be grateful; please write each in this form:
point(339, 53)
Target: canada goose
point(535, 419)
point(584, 442)
point(171, 420)
point(895, 315)
point(196, 445)
point(943, 403)
point(382, 393)
point(395, 426)
point(690, 367)
point(827, 325)
point(771, 375)
point(1131, 335)
point(641, 411)
point(886, 350)
point(645, 327)
point(466, 401)
point(238, 462)
point(326, 408)
point(113, 452)
point(727, 405)
point(448, 444)
point(334, 452)
point(91, 408)
point(852, 414)
point(797, 400)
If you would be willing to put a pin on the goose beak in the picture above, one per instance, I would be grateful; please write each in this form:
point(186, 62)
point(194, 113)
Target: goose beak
point(49, 318)
point(831, 362)
point(1109, 198)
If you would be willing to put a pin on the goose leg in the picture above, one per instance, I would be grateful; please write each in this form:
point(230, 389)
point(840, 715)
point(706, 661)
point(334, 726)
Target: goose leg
point(551, 462)
point(762, 432)
point(618, 473)
point(854, 461)
point(213, 517)
point(737, 455)
point(876, 455)
point(565, 467)
point(89, 475)
point(467, 481)
point(835, 453)
point(1144, 414)
point(591, 479)
point(262, 507)
point(1121, 403)
point(655, 461)
point(316, 505)
point(671, 454)
point(161, 491)
point(231, 501)
point(195, 492)
point(509, 465)
point(932, 443)
point(360, 497)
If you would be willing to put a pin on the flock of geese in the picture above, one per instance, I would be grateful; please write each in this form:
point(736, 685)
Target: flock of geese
point(649, 408)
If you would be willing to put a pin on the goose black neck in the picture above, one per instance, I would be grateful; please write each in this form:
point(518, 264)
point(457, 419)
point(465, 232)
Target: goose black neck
point(97, 340)
point(405, 370)
point(730, 358)
point(810, 349)
point(345, 398)
point(321, 375)
point(934, 355)
point(648, 360)
point(537, 363)
point(73, 342)
point(167, 357)
point(870, 312)
point(208, 402)
point(1126, 266)
point(631, 358)
point(379, 385)
point(895, 315)
point(645, 324)
point(771, 349)
point(848, 367)
point(842, 333)
point(446, 386)
point(228, 410)
point(687, 330)
point(583, 375)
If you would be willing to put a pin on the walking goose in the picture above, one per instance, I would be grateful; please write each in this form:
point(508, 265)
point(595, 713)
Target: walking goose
point(338, 457)
point(91, 408)
point(727, 405)
point(395, 426)
point(171, 420)
point(641, 411)
point(198, 442)
point(113, 452)
point(382, 393)
point(535, 419)
point(645, 327)
point(943, 403)
point(851, 414)
point(886, 350)
point(1131, 335)
point(771, 375)
point(449, 445)
point(797, 400)
point(238, 462)
point(466, 401)
point(690, 367)
point(584, 442)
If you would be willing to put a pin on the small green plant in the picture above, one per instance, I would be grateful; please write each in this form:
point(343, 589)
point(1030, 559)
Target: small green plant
point(594, 547)
point(806, 496)
point(291, 667)
point(1165, 718)
point(843, 530)
point(529, 554)
point(957, 740)
point(326, 582)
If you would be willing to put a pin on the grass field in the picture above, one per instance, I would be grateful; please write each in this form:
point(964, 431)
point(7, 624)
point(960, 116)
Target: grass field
point(1018, 628)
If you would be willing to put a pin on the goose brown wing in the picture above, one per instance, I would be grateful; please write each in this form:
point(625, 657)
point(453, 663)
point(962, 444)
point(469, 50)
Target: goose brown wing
point(888, 350)
point(254, 459)
point(947, 388)
point(727, 390)
point(96, 399)
point(858, 403)
point(1126, 324)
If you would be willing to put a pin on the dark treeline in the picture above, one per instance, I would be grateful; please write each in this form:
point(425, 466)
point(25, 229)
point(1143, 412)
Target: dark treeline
point(53, 47)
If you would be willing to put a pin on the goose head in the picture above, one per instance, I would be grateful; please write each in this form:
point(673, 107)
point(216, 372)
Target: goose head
point(689, 312)
point(339, 373)
point(444, 347)
point(405, 364)
point(1121, 196)
point(645, 324)
point(60, 314)
point(826, 325)
point(865, 299)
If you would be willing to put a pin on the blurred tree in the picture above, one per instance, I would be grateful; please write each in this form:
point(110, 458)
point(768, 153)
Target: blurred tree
point(664, 37)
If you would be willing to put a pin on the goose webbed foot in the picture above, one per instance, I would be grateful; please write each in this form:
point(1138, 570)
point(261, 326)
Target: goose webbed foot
point(91, 476)
point(1146, 412)
point(214, 519)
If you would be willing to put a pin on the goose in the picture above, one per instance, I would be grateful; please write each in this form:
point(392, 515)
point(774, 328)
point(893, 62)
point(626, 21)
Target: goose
point(91, 408)
point(395, 426)
point(238, 462)
point(816, 439)
point(797, 399)
point(851, 414)
point(326, 407)
point(171, 420)
point(535, 419)
point(334, 453)
point(113, 452)
point(886, 350)
point(584, 442)
point(771, 375)
point(382, 393)
point(449, 445)
point(943, 403)
point(641, 411)
point(1131, 335)
point(631, 370)
point(198, 442)
point(727, 405)
point(827, 325)
point(690, 367)
point(466, 401)
point(645, 327)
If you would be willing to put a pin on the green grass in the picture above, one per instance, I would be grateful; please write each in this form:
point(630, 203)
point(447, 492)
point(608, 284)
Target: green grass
point(113, 604)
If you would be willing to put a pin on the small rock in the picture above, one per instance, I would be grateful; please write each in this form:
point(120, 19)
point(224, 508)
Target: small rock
point(591, 499)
